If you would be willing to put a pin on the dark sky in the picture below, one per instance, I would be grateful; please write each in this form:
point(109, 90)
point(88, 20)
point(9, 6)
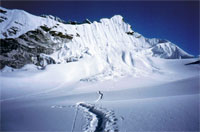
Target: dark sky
point(174, 21)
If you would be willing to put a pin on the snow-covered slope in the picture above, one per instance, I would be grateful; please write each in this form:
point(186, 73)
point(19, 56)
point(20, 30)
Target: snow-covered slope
point(17, 22)
point(47, 101)
point(111, 46)
point(155, 90)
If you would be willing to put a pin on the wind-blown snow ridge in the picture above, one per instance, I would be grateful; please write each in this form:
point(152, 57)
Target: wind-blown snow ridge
point(110, 47)
point(98, 119)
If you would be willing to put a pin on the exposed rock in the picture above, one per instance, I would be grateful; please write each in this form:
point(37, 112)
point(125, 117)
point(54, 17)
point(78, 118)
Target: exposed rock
point(2, 11)
point(54, 18)
point(2, 18)
point(32, 47)
point(129, 33)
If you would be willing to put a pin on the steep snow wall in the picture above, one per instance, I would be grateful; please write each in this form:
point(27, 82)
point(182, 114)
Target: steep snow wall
point(111, 43)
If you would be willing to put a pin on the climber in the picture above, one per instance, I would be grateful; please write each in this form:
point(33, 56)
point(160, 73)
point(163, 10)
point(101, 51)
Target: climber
point(100, 95)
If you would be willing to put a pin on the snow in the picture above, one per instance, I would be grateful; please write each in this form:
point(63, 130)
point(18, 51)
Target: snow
point(105, 45)
point(162, 102)
point(176, 113)
point(23, 21)
point(99, 119)
point(144, 83)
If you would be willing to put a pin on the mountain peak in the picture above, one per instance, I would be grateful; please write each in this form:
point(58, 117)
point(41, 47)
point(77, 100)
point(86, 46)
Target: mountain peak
point(111, 43)
point(117, 17)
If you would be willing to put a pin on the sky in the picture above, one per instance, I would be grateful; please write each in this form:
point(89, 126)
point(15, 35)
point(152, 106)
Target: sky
point(177, 21)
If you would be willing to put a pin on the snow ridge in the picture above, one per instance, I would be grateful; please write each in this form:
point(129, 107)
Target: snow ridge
point(110, 47)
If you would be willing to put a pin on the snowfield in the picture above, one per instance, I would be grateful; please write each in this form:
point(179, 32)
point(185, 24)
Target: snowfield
point(45, 101)
point(100, 77)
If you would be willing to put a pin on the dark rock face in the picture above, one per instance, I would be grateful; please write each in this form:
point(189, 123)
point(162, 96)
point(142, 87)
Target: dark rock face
point(32, 47)
point(2, 11)
point(54, 18)
point(129, 33)
point(192, 63)
point(11, 31)
point(2, 19)
point(86, 21)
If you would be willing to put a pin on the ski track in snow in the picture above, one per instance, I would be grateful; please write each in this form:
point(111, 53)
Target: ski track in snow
point(98, 119)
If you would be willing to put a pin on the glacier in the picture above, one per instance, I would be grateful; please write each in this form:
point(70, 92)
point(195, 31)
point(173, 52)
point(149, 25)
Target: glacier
point(111, 41)
point(52, 73)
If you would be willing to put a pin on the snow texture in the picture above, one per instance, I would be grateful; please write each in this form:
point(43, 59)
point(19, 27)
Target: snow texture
point(110, 46)
point(98, 119)
point(118, 80)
